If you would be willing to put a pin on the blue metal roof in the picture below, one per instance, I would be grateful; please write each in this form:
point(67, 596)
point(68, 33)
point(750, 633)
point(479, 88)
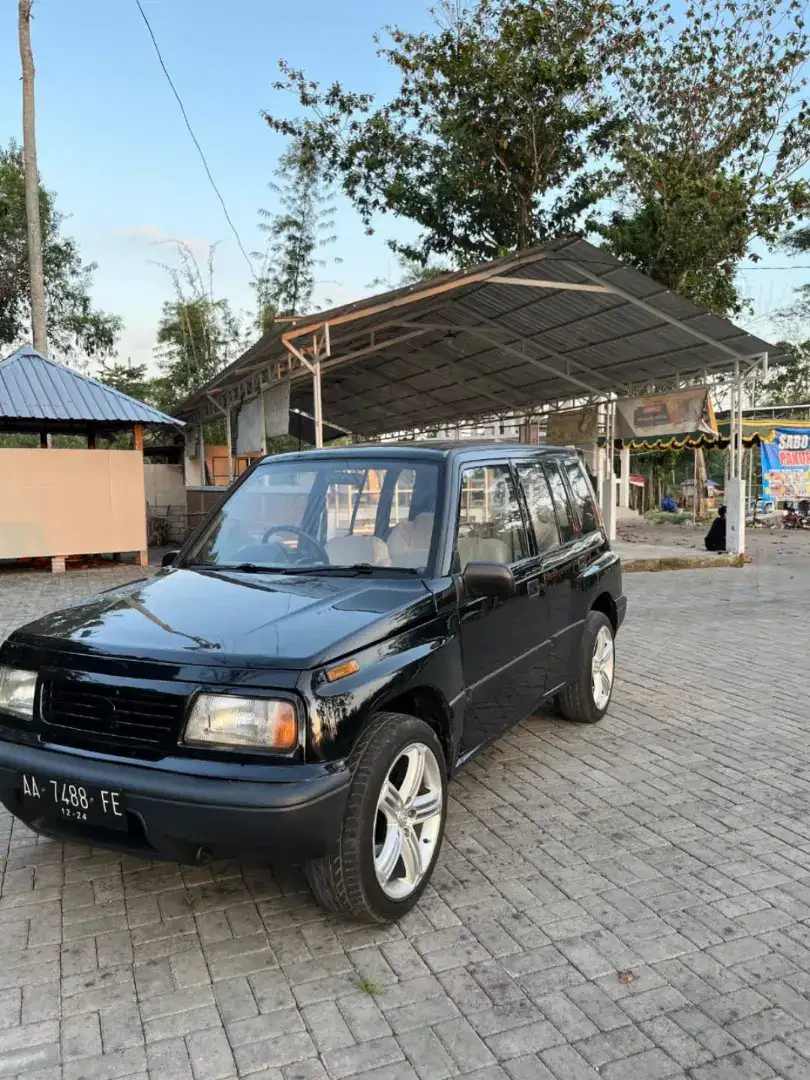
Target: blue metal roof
point(35, 388)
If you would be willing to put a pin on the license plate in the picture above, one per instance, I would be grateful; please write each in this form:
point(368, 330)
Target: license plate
point(70, 801)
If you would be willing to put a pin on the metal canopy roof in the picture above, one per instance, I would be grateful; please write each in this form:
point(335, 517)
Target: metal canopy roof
point(35, 390)
point(562, 320)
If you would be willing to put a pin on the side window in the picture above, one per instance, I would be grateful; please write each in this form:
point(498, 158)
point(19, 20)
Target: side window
point(490, 524)
point(561, 504)
point(541, 508)
point(583, 497)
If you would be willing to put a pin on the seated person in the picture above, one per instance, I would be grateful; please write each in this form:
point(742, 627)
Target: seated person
point(716, 536)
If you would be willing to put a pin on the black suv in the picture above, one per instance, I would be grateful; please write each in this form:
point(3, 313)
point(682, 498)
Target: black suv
point(346, 630)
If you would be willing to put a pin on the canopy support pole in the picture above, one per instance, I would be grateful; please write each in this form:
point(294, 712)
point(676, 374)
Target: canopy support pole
point(735, 496)
point(201, 437)
point(609, 484)
point(624, 478)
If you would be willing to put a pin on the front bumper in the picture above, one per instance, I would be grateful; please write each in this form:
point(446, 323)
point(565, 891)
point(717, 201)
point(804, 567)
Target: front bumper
point(185, 817)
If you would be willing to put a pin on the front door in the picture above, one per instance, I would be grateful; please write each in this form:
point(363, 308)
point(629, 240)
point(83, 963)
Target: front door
point(502, 641)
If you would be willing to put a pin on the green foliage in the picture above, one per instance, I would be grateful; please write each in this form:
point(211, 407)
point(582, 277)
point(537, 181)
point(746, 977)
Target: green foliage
point(128, 379)
point(75, 327)
point(296, 233)
point(789, 384)
point(198, 334)
point(485, 144)
point(713, 129)
point(664, 517)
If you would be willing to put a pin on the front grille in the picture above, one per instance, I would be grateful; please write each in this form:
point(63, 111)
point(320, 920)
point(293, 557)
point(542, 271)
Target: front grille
point(112, 719)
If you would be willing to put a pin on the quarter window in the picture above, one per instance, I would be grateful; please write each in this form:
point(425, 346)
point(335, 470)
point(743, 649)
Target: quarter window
point(583, 497)
point(490, 523)
point(561, 504)
point(541, 507)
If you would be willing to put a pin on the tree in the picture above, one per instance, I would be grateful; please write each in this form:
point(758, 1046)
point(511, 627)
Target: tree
point(36, 273)
point(131, 379)
point(789, 384)
point(75, 327)
point(486, 144)
point(198, 334)
point(714, 129)
point(296, 233)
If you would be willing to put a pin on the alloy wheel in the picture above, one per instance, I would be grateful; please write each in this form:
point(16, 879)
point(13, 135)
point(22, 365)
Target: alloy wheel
point(602, 667)
point(408, 820)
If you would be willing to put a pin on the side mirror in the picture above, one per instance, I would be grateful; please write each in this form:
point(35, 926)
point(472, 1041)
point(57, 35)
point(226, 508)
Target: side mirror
point(169, 557)
point(488, 579)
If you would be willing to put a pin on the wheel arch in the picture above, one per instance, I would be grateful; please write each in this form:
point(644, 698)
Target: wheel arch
point(426, 703)
point(605, 603)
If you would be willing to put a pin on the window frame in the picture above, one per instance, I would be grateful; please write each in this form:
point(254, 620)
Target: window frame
point(537, 463)
point(572, 500)
point(484, 463)
point(557, 463)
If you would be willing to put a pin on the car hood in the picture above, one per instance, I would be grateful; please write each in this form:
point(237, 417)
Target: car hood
point(229, 617)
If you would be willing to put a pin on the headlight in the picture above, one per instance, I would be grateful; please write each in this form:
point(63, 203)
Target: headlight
point(255, 723)
point(17, 689)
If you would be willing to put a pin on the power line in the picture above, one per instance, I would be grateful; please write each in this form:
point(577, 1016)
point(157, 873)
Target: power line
point(194, 138)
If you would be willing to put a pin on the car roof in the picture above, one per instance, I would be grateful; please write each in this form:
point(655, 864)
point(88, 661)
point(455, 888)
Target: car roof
point(432, 449)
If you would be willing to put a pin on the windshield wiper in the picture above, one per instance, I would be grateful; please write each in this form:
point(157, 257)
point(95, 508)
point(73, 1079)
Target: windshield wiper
point(356, 568)
point(257, 568)
point(242, 568)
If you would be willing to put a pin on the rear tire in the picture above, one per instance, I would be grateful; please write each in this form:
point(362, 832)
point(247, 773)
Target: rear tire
point(587, 700)
point(393, 826)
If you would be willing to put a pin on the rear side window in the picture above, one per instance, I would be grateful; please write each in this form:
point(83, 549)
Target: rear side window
point(561, 504)
point(583, 497)
point(541, 507)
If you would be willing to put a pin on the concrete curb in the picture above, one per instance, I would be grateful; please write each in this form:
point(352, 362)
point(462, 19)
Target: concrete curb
point(681, 562)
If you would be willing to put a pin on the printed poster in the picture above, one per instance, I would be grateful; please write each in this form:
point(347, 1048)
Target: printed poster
point(682, 412)
point(786, 465)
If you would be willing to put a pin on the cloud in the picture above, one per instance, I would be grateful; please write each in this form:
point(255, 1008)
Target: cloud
point(154, 236)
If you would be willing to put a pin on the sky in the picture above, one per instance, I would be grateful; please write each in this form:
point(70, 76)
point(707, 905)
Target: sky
point(113, 146)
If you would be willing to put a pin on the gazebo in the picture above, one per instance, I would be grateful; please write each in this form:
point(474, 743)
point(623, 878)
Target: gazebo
point(56, 503)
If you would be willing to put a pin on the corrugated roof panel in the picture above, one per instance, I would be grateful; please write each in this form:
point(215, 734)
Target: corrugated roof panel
point(32, 387)
point(477, 328)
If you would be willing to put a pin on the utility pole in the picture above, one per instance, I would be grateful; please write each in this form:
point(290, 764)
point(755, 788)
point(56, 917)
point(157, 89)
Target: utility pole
point(35, 271)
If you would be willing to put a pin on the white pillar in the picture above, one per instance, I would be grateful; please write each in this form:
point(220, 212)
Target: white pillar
point(735, 517)
point(624, 482)
point(599, 472)
point(608, 501)
point(316, 387)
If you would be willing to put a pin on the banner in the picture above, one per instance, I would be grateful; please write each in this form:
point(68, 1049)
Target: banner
point(786, 465)
point(273, 408)
point(575, 427)
point(682, 412)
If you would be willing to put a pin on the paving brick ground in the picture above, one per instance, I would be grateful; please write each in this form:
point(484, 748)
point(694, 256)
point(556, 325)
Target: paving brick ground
point(630, 901)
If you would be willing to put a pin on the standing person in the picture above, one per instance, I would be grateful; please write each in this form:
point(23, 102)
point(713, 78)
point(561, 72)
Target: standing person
point(716, 536)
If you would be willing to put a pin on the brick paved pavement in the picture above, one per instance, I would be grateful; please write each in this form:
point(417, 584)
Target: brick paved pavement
point(630, 901)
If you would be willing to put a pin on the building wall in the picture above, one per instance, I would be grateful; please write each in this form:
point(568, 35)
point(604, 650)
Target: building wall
point(71, 502)
point(164, 485)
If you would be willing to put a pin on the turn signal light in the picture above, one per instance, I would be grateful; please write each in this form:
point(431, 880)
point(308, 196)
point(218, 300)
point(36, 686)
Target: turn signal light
point(349, 667)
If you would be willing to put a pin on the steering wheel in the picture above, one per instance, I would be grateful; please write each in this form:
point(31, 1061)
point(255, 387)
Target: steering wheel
point(316, 545)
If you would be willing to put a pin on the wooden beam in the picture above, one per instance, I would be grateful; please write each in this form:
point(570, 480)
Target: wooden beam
point(137, 437)
point(536, 283)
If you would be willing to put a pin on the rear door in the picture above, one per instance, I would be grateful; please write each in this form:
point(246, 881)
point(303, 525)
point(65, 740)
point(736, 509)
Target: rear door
point(561, 569)
point(502, 641)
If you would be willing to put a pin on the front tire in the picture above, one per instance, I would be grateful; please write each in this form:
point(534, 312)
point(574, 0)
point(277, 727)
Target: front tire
point(587, 700)
point(393, 825)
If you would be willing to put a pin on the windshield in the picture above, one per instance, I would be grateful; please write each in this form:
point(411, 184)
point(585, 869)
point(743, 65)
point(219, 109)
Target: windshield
point(323, 512)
